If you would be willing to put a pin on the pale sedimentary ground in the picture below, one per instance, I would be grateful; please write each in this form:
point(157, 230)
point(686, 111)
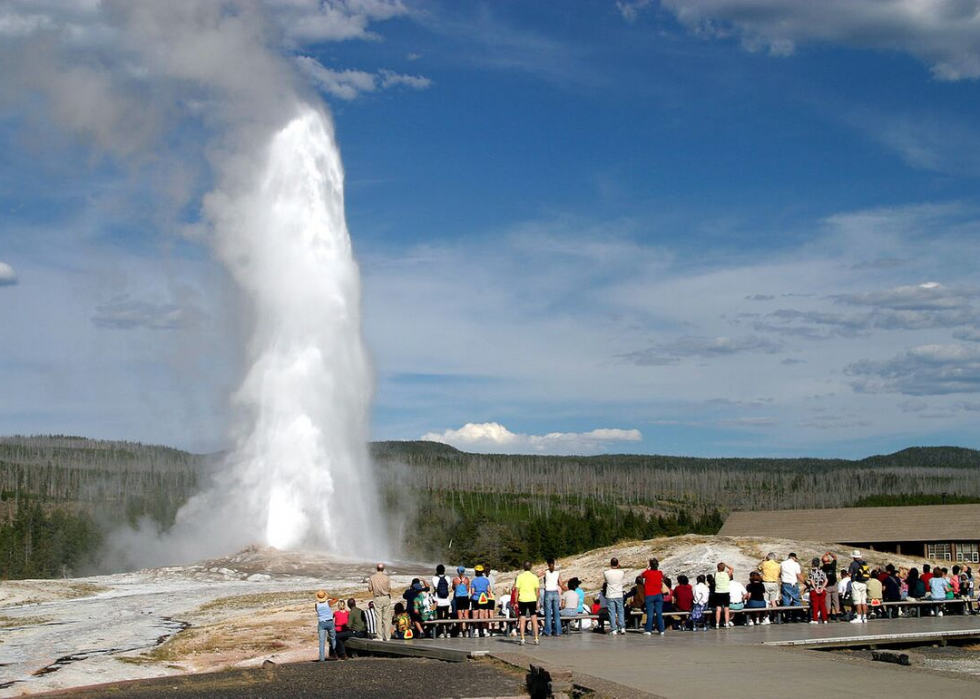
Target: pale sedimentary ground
point(258, 605)
point(56, 634)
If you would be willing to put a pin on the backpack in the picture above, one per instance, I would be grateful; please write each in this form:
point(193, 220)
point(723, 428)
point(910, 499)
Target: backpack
point(863, 573)
point(442, 589)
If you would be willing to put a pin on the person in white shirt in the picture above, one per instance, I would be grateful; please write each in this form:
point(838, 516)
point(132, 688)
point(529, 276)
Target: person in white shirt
point(736, 594)
point(614, 597)
point(702, 593)
point(553, 588)
point(790, 576)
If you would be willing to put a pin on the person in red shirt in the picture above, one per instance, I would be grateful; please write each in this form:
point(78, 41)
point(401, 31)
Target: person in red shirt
point(683, 598)
point(653, 596)
point(926, 575)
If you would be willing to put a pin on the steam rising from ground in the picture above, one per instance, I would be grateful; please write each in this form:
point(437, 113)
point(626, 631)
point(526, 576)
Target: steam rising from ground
point(127, 78)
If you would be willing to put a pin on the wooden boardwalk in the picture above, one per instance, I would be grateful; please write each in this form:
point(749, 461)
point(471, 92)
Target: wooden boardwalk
point(738, 662)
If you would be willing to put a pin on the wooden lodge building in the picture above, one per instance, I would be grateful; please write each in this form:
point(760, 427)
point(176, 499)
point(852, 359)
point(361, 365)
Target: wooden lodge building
point(941, 532)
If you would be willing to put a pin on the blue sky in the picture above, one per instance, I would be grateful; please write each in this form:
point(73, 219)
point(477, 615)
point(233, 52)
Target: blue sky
point(706, 227)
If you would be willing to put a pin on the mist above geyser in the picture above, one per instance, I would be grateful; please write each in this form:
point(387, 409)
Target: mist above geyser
point(126, 78)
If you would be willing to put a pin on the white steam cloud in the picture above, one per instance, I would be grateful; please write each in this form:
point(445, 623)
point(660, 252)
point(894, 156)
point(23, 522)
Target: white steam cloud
point(122, 76)
point(492, 437)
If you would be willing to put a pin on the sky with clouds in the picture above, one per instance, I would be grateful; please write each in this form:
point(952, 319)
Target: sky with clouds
point(702, 227)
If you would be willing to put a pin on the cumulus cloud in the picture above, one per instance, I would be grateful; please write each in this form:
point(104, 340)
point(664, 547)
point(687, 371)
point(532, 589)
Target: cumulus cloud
point(125, 313)
point(918, 297)
point(350, 84)
point(922, 370)
point(8, 277)
point(944, 34)
point(492, 437)
point(701, 347)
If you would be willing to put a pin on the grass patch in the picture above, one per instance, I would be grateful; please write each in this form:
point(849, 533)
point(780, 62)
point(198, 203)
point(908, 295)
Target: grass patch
point(261, 600)
point(11, 622)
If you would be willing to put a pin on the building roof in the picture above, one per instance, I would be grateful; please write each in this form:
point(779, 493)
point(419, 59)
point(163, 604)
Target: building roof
point(861, 524)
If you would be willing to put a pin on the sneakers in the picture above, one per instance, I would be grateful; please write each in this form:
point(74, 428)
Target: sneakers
point(864, 620)
point(537, 642)
point(647, 633)
point(939, 613)
point(521, 642)
point(661, 633)
point(765, 622)
point(730, 624)
point(856, 620)
point(814, 621)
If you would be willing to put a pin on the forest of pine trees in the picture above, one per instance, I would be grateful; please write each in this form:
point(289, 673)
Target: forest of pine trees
point(59, 496)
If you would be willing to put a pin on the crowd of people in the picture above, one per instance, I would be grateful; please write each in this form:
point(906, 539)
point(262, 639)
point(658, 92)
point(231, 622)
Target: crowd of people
point(544, 603)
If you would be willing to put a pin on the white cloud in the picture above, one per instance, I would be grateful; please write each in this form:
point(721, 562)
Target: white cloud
point(944, 34)
point(923, 370)
point(8, 277)
point(126, 313)
point(494, 438)
point(350, 84)
point(313, 21)
point(701, 347)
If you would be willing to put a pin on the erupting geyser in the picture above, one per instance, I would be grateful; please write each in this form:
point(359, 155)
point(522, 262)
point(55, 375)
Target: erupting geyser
point(300, 464)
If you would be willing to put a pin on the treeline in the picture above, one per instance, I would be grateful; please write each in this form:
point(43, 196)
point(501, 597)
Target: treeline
point(505, 531)
point(700, 484)
point(60, 495)
point(39, 544)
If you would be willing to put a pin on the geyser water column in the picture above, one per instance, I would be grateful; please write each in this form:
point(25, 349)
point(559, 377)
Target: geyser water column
point(300, 456)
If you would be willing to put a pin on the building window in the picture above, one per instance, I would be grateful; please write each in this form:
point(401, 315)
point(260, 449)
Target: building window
point(942, 552)
point(967, 552)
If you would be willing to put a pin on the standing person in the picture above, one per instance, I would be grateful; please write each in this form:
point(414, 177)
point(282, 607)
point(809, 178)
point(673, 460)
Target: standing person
point(481, 600)
point(817, 582)
point(860, 573)
point(770, 570)
point(379, 585)
point(527, 585)
point(790, 577)
point(653, 597)
point(461, 598)
point(444, 597)
point(553, 587)
point(324, 623)
point(723, 579)
point(356, 628)
point(614, 597)
point(828, 564)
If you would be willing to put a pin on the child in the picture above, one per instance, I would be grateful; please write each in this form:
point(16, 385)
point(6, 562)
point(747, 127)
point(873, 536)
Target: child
point(325, 622)
point(423, 612)
point(701, 594)
point(402, 623)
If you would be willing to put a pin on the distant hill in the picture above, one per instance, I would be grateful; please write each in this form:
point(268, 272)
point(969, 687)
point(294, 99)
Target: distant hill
point(60, 494)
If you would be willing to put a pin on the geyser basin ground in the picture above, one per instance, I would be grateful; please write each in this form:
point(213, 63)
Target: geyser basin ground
point(102, 627)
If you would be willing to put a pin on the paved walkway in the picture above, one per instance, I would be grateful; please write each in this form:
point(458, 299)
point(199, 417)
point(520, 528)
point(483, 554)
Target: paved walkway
point(742, 662)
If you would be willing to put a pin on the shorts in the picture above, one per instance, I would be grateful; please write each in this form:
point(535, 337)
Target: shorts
point(721, 599)
point(462, 604)
point(772, 591)
point(859, 593)
point(755, 604)
point(476, 604)
point(527, 608)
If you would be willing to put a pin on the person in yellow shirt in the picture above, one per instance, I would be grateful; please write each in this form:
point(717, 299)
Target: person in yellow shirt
point(770, 580)
point(527, 585)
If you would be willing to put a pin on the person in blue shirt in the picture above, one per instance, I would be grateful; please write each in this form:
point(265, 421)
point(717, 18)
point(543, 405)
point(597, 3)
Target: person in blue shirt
point(325, 623)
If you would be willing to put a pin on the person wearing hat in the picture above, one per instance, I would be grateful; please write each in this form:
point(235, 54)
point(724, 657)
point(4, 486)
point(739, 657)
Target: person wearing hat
point(859, 572)
point(790, 577)
point(461, 597)
point(481, 599)
point(325, 623)
point(379, 585)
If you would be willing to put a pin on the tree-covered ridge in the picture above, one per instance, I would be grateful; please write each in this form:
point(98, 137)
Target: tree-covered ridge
point(60, 495)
